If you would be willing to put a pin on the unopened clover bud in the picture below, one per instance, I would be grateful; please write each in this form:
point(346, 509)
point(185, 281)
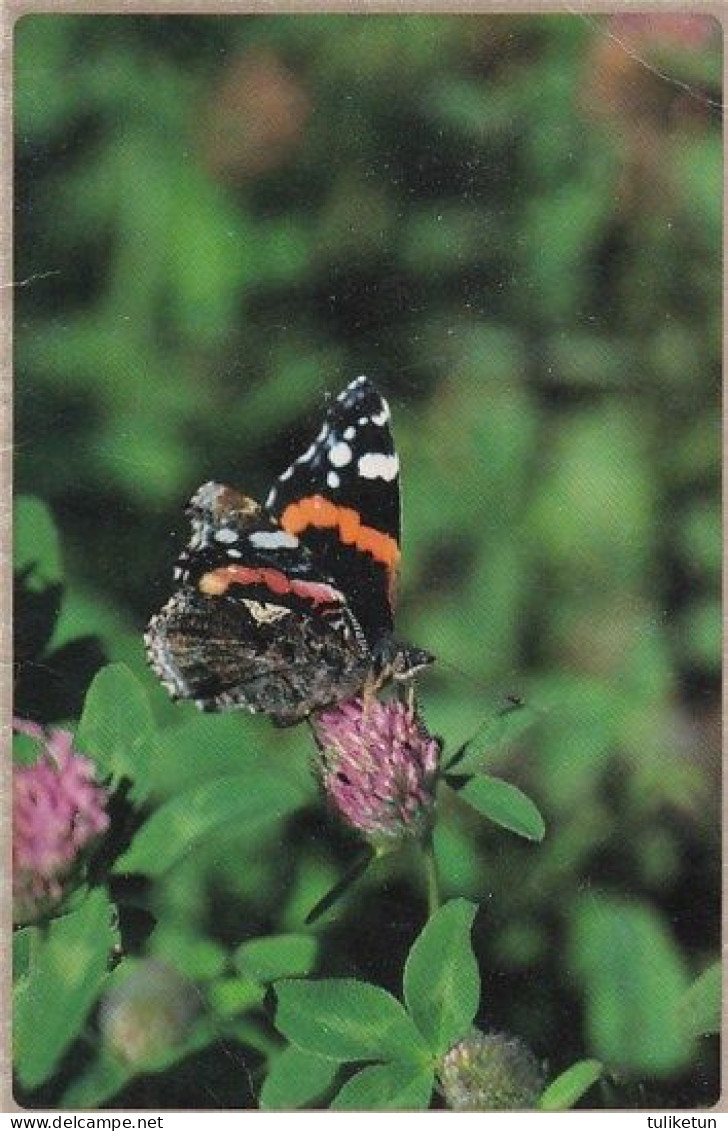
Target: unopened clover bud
point(379, 767)
point(149, 1013)
point(490, 1072)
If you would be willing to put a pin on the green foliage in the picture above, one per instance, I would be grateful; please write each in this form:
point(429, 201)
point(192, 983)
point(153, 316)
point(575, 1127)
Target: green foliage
point(700, 1006)
point(568, 1088)
point(499, 732)
point(347, 1020)
point(344, 1019)
point(342, 886)
point(386, 1087)
point(117, 729)
point(23, 939)
point(177, 826)
point(198, 958)
point(505, 804)
point(36, 545)
point(99, 1081)
point(513, 224)
point(441, 979)
point(296, 1079)
point(107, 1072)
point(66, 972)
point(280, 956)
point(636, 979)
point(25, 750)
point(229, 997)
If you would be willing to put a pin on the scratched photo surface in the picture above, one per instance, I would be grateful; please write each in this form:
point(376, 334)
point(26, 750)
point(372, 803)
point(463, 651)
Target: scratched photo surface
point(362, 877)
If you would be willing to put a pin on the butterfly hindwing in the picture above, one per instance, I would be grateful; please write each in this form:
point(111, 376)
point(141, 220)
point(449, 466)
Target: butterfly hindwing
point(254, 623)
point(341, 497)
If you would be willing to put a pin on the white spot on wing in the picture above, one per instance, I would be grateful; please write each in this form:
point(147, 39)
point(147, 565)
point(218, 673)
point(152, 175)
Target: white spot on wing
point(264, 613)
point(226, 535)
point(374, 465)
point(307, 455)
point(286, 474)
point(340, 454)
point(333, 480)
point(381, 418)
point(351, 393)
point(271, 497)
point(273, 540)
point(350, 432)
point(363, 420)
point(232, 553)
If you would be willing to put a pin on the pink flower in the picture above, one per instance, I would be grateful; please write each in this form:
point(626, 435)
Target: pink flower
point(58, 810)
point(378, 766)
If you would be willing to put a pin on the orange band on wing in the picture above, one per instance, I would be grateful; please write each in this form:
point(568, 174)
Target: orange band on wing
point(319, 512)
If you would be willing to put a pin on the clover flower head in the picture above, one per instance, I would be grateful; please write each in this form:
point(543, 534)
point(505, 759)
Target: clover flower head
point(378, 766)
point(490, 1072)
point(58, 811)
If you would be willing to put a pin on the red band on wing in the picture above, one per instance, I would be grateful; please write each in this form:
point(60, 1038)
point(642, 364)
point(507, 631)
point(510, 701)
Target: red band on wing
point(218, 581)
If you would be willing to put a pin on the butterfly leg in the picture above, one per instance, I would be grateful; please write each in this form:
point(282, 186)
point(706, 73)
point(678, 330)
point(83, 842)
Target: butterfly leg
point(369, 691)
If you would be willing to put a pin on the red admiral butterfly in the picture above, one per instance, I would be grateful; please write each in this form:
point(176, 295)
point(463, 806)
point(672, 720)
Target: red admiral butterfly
point(287, 608)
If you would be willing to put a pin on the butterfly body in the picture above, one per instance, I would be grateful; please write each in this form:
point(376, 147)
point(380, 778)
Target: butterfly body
point(288, 607)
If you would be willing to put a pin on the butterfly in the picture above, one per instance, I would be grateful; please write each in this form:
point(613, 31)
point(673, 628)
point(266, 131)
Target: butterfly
point(286, 608)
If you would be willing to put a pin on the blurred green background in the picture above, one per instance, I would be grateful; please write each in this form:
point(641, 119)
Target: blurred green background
point(513, 225)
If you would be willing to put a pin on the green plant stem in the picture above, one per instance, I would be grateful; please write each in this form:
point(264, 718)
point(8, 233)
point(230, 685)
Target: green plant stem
point(433, 883)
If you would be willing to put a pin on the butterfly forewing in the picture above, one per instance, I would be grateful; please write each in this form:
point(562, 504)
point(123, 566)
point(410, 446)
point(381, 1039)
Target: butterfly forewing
point(341, 498)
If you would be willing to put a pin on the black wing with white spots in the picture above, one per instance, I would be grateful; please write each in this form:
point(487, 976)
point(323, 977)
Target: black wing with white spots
point(341, 497)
